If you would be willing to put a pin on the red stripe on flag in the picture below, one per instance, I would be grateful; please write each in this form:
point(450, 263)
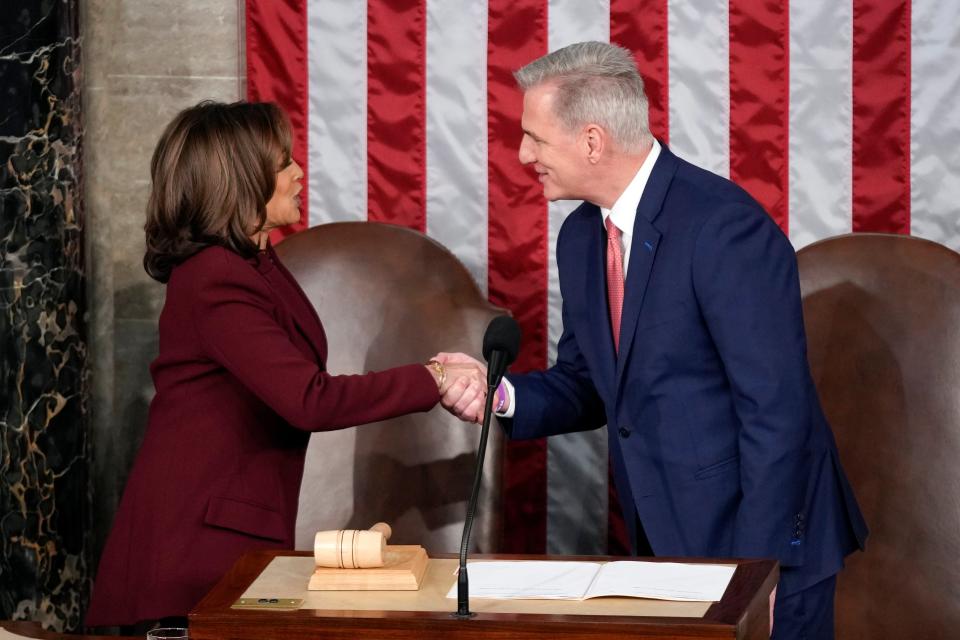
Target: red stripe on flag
point(643, 30)
point(881, 116)
point(396, 112)
point(517, 250)
point(759, 102)
point(276, 35)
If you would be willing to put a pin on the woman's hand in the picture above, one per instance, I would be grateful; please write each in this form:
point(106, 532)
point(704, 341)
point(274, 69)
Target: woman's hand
point(464, 391)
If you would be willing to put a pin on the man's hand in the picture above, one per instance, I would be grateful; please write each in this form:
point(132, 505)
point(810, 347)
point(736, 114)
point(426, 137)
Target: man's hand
point(465, 392)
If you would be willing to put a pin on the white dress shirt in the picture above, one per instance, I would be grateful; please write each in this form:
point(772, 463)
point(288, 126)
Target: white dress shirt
point(623, 213)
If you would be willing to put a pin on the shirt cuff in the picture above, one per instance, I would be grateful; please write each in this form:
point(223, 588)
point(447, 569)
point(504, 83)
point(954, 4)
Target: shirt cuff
point(511, 394)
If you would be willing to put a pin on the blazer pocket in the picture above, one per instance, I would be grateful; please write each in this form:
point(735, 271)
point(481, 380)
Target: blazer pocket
point(250, 519)
point(718, 468)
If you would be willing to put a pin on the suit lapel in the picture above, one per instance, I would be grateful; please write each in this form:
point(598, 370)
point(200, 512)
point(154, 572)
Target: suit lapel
point(304, 315)
point(646, 241)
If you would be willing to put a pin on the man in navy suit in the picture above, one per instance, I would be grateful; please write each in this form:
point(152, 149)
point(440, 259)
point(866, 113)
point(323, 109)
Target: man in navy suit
point(683, 333)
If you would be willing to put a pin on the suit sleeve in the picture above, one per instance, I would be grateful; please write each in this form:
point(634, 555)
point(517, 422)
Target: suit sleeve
point(233, 316)
point(562, 399)
point(747, 286)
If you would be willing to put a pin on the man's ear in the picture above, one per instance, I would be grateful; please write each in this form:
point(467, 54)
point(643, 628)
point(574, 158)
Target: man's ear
point(595, 140)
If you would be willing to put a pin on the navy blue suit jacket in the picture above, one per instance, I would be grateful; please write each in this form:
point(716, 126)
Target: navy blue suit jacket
point(716, 434)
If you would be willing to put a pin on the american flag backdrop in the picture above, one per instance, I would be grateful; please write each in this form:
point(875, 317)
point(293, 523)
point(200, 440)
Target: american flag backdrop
point(837, 115)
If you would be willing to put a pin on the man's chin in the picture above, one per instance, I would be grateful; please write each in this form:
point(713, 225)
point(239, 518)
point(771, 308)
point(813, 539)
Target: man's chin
point(554, 197)
point(550, 196)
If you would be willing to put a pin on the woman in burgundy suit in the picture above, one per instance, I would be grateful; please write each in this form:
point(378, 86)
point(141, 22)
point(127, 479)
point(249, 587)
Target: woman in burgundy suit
point(240, 377)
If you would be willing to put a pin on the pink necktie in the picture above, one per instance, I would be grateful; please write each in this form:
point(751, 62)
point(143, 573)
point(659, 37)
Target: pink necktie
point(614, 280)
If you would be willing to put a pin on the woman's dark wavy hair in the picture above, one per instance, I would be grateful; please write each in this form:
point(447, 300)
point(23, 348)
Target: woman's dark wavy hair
point(213, 172)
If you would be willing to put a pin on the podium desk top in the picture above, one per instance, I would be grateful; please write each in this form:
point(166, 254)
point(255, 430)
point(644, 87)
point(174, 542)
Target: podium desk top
point(741, 613)
point(287, 577)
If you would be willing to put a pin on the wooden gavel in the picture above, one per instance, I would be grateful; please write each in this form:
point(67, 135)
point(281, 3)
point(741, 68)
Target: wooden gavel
point(351, 548)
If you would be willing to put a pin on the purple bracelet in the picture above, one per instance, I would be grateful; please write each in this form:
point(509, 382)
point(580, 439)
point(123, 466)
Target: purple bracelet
point(501, 398)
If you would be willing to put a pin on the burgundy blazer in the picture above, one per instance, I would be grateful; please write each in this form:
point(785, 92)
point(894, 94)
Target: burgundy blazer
point(240, 385)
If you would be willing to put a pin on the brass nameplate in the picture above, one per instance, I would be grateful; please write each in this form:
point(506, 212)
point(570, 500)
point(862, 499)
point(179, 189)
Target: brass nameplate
point(285, 604)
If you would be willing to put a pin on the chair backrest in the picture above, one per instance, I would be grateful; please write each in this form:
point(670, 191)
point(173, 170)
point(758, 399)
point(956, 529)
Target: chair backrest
point(389, 296)
point(882, 315)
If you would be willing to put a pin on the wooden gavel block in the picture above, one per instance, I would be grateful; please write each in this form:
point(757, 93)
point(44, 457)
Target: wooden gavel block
point(352, 560)
point(352, 548)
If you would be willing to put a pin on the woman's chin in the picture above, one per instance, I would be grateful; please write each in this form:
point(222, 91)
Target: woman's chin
point(293, 214)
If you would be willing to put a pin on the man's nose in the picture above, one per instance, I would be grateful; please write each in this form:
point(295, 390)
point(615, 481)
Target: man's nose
point(525, 154)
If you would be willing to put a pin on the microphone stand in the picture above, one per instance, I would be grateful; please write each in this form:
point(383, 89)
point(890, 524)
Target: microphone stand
point(463, 587)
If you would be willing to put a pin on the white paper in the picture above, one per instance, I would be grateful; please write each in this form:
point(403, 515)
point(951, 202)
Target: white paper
point(550, 580)
point(529, 579)
point(662, 580)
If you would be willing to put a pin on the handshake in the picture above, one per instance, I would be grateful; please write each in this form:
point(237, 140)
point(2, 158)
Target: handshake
point(463, 384)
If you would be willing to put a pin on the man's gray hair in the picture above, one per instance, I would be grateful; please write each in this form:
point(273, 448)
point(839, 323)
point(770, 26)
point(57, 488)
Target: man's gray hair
point(595, 82)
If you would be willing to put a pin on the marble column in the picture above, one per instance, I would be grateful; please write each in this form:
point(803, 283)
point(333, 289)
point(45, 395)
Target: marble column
point(45, 501)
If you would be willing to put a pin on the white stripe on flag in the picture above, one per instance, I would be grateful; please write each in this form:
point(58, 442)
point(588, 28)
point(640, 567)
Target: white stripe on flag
point(699, 53)
point(821, 120)
point(576, 462)
point(569, 21)
point(337, 108)
point(337, 157)
point(457, 132)
point(935, 122)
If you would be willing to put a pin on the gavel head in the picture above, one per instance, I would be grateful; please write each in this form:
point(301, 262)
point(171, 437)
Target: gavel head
point(351, 548)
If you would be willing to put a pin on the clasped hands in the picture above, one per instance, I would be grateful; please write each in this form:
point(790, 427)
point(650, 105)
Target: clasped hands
point(463, 390)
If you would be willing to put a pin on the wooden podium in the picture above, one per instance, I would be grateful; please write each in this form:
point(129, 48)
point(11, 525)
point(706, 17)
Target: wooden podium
point(742, 613)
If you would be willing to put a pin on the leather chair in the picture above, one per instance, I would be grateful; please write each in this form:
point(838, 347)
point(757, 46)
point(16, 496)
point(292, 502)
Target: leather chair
point(388, 296)
point(882, 315)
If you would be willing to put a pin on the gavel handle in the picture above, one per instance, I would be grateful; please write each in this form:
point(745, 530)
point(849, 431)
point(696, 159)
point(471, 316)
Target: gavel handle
point(383, 528)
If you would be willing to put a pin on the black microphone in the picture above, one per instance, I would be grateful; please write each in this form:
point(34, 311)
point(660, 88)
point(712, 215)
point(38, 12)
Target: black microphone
point(501, 343)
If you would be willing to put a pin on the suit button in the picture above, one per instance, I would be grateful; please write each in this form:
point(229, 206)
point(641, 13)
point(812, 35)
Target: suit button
point(624, 432)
